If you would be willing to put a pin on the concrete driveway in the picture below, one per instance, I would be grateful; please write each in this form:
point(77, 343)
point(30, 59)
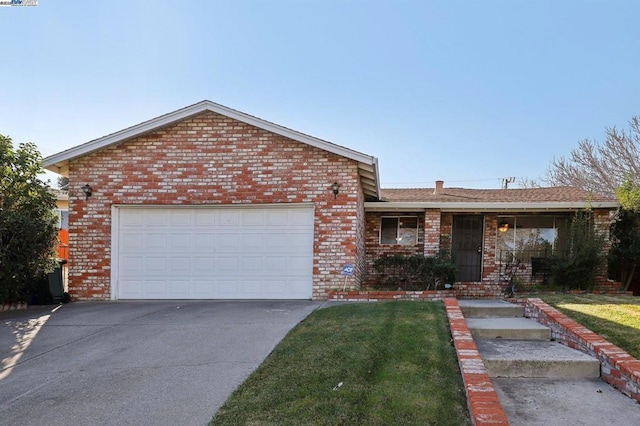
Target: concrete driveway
point(151, 362)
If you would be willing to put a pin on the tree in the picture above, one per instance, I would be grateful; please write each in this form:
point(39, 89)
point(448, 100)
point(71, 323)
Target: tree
point(63, 182)
point(612, 167)
point(28, 224)
point(601, 167)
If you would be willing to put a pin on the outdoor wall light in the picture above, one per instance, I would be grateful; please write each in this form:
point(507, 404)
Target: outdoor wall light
point(335, 188)
point(503, 227)
point(87, 190)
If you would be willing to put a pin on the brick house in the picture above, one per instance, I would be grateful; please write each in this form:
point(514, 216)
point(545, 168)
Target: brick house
point(207, 202)
point(485, 230)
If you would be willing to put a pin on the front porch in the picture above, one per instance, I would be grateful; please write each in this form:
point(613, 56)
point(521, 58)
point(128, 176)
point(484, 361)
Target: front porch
point(492, 250)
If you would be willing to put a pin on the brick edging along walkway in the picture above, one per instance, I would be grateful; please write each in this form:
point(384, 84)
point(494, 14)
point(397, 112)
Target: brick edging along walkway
point(617, 367)
point(482, 400)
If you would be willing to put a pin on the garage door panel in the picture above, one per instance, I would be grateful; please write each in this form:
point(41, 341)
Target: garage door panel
point(253, 218)
point(276, 265)
point(252, 242)
point(228, 265)
point(179, 266)
point(131, 241)
point(203, 288)
point(278, 241)
point(277, 218)
point(155, 288)
point(204, 242)
point(226, 289)
point(203, 218)
point(132, 265)
point(215, 253)
point(202, 266)
point(299, 240)
point(155, 266)
point(179, 289)
point(250, 289)
point(154, 243)
point(156, 218)
point(229, 218)
point(179, 242)
point(180, 218)
point(299, 265)
point(227, 241)
point(251, 265)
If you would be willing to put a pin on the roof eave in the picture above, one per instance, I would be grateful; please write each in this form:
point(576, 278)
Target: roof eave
point(367, 165)
point(382, 206)
point(59, 163)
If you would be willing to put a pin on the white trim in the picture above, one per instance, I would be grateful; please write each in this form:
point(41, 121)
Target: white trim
point(216, 206)
point(115, 221)
point(398, 219)
point(381, 206)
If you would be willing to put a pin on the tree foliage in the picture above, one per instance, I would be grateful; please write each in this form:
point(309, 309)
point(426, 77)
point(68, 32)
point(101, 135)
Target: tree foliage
point(601, 167)
point(624, 255)
point(63, 183)
point(28, 230)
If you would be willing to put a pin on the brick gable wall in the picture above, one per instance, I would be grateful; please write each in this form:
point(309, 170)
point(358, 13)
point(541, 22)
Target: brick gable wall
point(213, 159)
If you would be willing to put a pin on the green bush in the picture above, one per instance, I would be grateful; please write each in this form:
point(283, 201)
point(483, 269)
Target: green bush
point(577, 267)
point(415, 272)
point(28, 225)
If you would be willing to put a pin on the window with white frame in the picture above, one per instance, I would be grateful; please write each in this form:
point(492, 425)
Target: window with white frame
point(63, 218)
point(402, 230)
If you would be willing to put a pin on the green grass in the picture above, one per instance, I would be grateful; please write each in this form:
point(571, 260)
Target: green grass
point(395, 361)
point(615, 318)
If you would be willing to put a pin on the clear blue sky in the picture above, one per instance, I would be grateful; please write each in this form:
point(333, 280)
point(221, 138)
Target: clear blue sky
point(464, 91)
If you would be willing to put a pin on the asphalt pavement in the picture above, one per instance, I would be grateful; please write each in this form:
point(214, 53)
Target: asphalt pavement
point(134, 363)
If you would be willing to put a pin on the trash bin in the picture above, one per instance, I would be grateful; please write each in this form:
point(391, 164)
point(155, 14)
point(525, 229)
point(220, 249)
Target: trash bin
point(56, 285)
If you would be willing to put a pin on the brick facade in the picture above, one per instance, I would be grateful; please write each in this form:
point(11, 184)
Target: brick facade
point(211, 159)
point(436, 233)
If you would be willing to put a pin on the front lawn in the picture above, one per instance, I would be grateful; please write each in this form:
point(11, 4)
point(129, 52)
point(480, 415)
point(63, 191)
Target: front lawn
point(615, 318)
point(374, 364)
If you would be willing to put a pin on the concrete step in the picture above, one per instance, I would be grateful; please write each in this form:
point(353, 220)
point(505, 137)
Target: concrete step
point(489, 308)
point(507, 328)
point(536, 359)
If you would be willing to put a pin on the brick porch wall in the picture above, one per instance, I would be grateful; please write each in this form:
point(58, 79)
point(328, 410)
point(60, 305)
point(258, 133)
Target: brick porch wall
point(374, 250)
point(438, 227)
point(215, 160)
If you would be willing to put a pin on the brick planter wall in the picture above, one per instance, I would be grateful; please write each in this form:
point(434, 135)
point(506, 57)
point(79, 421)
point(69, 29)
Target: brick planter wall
point(482, 400)
point(210, 159)
point(617, 367)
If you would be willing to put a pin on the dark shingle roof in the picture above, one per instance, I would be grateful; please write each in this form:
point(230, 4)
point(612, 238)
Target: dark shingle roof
point(529, 195)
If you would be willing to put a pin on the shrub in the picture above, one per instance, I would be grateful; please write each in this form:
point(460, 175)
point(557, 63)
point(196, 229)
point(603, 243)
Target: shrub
point(576, 268)
point(415, 272)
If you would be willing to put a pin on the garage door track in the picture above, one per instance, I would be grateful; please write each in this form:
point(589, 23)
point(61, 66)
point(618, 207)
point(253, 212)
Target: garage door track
point(117, 363)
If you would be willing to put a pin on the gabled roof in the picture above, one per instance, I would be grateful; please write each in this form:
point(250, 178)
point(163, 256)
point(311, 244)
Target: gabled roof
point(450, 199)
point(367, 165)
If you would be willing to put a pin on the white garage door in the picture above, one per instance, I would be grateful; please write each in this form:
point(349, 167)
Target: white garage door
point(213, 252)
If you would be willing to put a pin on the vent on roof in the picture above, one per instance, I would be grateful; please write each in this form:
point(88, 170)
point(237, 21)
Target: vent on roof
point(439, 187)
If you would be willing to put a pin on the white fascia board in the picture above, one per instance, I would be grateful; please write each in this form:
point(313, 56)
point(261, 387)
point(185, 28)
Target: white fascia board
point(494, 207)
point(54, 161)
point(377, 179)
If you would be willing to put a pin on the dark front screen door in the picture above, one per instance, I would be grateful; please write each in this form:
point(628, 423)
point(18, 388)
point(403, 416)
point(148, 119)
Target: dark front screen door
point(467, 247)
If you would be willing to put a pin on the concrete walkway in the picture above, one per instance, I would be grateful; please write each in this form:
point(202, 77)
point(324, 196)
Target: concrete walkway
point(540, 382)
